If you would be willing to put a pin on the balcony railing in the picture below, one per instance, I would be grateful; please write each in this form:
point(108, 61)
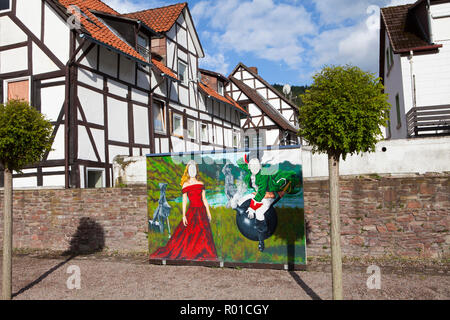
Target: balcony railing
point(144, 52)
point(428, 121)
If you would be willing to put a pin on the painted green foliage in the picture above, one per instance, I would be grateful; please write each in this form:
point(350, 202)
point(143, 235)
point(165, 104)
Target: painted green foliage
point(25, 135)
point(287, 245)
point(343, 111)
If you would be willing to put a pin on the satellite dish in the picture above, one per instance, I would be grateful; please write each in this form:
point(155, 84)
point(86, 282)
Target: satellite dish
point(287, 89)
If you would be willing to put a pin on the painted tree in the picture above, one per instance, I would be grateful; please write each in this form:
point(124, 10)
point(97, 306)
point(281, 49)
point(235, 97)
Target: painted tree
point(342, 114)
point(25, 136)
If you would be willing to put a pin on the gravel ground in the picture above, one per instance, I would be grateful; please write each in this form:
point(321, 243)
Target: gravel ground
point(105, 279)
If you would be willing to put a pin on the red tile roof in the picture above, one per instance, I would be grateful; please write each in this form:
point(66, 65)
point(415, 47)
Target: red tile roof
point(403, 30)
point(97, 29)
point(164, 69)
point(103, 34)
point(213, 93)
point(159, 19)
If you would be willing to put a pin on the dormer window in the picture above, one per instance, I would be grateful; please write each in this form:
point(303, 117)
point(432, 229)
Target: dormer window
point(220, 88)
point(143, 47)
point(5, 5)
point(182, 72)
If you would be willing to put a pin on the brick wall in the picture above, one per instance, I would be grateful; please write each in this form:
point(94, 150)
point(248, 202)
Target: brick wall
point(56, 219)
point(407, 216)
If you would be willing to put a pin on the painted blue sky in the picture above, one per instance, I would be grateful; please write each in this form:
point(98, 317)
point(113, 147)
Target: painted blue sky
point(287, 40)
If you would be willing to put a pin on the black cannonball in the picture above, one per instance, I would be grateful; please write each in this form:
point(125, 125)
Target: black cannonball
point(247, 226)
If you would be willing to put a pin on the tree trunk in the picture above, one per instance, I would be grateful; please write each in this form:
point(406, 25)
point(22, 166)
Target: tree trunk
point(7, 237)
point(335, 226)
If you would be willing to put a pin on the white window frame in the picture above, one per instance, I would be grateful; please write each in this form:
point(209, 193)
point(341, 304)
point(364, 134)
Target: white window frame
point(161, 106)
point(220, 88)
point(195, 129)
point(7, 10)
point(90, 169)
point(185, 80)
point(5, 87)
point(204, 138)
point(174, 133)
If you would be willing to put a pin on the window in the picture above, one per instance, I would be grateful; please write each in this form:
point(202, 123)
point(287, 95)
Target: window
point(18, 90)
point(220, 88)
point(177, 125)
point(191, 129)
point(5, 5)
point(94, 178)
point(182, 72)
point(204, 132)
point(389, 131)
point(389, 58)
point(399, 116)
point(235, 139)
point(247, 142)
point(158, 117)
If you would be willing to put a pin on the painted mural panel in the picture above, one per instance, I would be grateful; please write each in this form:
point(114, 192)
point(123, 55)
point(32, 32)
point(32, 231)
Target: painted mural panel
point(227, 206)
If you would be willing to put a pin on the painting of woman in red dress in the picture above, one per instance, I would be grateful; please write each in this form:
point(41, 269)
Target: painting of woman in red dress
point(192, 239)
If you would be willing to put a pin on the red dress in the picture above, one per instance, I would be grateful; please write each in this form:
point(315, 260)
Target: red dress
point(194, 242)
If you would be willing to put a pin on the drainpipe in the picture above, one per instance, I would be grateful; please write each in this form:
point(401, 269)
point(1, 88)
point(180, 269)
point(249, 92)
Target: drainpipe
point(413, 82)
point(430, 24)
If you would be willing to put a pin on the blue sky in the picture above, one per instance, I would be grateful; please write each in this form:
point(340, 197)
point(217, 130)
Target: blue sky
point(287, 40)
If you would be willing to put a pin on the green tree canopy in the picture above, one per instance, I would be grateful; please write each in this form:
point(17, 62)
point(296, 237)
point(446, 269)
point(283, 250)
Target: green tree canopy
point(343, 111)
point(25, 135)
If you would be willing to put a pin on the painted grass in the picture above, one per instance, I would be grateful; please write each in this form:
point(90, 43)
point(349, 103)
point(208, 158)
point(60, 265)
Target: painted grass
point(287, 245)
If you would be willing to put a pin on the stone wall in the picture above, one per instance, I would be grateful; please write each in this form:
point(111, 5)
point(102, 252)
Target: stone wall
point(401, 216)
point(86, 219)
point(382, 216)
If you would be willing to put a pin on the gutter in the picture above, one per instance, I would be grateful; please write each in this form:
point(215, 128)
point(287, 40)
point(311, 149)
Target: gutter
point(430, 24)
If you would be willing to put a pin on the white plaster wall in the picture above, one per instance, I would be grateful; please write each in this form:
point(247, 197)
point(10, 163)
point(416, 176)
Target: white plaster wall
point(441, 21)
point(29, 12)
point(91, 58)
point(117, 88)
point(58, 145)
point(41, 62)
point(85, 148)
point(118, 120)
point(108, 62)
point(402, 156)
point(141, 126)
point(139, 96)
point(52, 100)
point(14, 60)
point(90, 78)
point(10, 33)
point(56, 34)
point(54, 181)
point(92, 104)
point(433, 77)
point(127, 69)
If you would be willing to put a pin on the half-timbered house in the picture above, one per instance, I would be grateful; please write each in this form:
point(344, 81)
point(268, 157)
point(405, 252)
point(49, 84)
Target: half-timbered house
point(111, 84)
point(272, 119)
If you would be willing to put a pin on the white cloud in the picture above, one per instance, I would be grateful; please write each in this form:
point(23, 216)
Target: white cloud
point(215, 63)
point(126, 6)
point(268, 30)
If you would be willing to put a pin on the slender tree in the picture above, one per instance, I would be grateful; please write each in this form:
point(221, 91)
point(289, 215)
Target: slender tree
point(25, 136)
point(342, 114)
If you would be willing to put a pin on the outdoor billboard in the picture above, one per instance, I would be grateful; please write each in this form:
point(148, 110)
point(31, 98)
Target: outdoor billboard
point(230, 206)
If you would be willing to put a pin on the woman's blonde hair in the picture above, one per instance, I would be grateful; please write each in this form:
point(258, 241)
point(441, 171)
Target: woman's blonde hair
point(186, 177)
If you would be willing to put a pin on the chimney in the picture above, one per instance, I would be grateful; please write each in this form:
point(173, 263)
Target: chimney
point(254, 69)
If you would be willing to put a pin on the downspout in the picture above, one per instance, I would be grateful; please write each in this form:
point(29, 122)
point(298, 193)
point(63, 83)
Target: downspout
point(430, 24)
point(413, 82)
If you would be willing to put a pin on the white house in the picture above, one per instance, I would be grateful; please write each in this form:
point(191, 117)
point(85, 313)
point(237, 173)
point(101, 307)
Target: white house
point(415, 67)
point(111, 84)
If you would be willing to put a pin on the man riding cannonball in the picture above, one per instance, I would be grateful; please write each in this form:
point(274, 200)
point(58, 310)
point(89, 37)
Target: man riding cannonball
point(267, 188)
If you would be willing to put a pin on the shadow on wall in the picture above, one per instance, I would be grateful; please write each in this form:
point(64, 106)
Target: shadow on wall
point(88, 239)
